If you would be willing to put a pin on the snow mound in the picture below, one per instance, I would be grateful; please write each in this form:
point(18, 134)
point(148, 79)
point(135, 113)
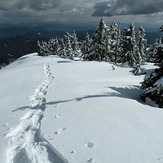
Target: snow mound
point(57, 110)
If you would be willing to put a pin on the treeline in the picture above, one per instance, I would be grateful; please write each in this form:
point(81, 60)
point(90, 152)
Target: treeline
point(110, 43)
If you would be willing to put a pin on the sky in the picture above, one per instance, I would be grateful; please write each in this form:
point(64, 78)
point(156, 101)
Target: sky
point(146, 11)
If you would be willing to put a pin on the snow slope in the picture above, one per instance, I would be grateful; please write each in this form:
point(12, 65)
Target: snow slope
point(57, 110)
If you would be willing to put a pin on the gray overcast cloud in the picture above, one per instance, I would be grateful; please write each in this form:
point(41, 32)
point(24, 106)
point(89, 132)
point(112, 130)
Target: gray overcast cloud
point(72, 10)
point(128, 7)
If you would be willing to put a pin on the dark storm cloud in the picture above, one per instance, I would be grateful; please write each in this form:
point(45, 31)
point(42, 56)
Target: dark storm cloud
point(101, 8)
point(128, 7)
point(67, 10)
point(45, 10)
point(8, 5)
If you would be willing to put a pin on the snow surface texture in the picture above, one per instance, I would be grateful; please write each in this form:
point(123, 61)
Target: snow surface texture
point(26, 143)
point(91, 114)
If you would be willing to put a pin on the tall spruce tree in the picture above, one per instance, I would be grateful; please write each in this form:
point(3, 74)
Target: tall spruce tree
point(75, 45)
point(130, 47)
point(140, 53)
point(153, 84)
point(114, 40)
point(62, 51)
point(68, 46)
point(85, 47)
point(98, 46)
point(142, 44)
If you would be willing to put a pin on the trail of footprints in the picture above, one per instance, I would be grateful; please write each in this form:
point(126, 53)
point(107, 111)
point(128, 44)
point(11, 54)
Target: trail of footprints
point(26, 144)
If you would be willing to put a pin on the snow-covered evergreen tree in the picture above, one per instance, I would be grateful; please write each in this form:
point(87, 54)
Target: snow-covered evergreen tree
point(153, 84)
point(43, 48)
point(114, 42)
point(140, 52)
point(62, 50)
point(39, 48)
point(98, 46)
point(109, 41)
point(151, 52)
point(85, 47)
point(54, 46)
point(142, 44)
point(107, 44)
point(68, 46)
point(130, 47)
point(75, 45)
point(48, 48)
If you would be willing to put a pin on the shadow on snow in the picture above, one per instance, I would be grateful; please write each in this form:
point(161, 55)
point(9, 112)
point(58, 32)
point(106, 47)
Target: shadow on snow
point(130, 92)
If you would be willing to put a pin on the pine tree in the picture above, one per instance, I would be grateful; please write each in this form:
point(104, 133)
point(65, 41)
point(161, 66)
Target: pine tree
point(142, 44)
point(62, 51)
point(39, 48)
point(151, 52)
point(98, 46)
point(68, 46)
point(109, 40)
point(86, 46)
point(54, 46)
point(114, 43)
point(43, 48)
point(153, 84)
point(140, 56)
point(130, 47)
point(75, 45)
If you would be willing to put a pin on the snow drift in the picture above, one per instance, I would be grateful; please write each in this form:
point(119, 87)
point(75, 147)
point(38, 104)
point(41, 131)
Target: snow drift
point(57, 110)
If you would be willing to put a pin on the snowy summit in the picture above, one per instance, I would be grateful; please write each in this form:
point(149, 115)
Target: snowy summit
point(55, 110)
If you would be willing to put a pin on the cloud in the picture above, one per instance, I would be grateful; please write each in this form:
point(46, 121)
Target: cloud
point(45, 9)
point(127, 7)
point(74, 10)
point(39, 10)
point(36, 5)
point(102, 9)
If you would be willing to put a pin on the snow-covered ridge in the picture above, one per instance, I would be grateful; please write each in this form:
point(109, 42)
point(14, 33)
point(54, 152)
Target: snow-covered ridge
point(26, 143)
point(90, 113)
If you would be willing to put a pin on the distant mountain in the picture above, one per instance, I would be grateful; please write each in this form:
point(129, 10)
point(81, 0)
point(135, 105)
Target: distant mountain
point(7, 30)
point(20, 39)
point(18, 45)
point(151, 36)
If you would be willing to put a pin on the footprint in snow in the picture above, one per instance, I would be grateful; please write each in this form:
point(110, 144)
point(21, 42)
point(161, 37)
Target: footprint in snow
point(57, 116)
point(60, 130)
point(89, 144)
point(91, 160)
point(57, 132)
point(63, 129)
point(73, 152)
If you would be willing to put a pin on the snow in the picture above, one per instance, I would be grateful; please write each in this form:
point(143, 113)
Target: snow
point(57, 110)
